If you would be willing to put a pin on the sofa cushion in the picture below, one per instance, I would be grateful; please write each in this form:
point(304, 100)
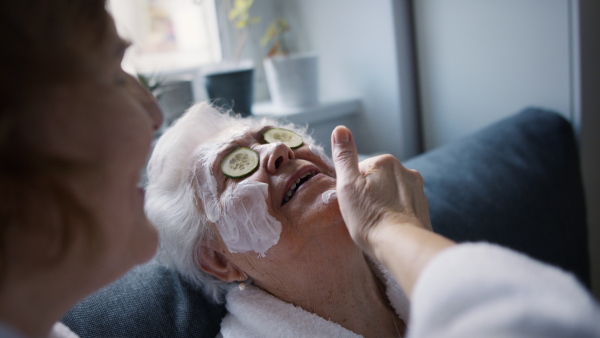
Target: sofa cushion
point(516, 183)
point(148, 301)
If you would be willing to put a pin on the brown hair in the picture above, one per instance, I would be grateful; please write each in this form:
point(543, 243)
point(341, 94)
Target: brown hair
point(44, 42)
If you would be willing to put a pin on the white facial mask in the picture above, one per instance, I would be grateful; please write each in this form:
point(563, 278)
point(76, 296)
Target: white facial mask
point(207, 188)
point(329, 196)
point(245, 223)
point(242, 218)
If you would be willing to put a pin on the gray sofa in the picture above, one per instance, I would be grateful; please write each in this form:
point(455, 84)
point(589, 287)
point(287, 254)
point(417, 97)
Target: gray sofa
point(516, 183)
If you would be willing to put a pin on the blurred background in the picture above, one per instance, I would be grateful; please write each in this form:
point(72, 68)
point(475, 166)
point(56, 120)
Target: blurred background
point(406, 75)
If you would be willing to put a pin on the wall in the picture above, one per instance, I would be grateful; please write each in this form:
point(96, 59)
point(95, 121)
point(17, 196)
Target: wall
point(357, 43)
point(589, 32)
point(480, 61)
point(253, 52)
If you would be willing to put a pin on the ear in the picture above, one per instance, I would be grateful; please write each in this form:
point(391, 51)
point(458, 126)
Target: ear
point(217, 264)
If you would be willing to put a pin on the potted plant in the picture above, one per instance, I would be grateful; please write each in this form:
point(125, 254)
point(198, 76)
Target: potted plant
point(292, 78)
point(230, 85)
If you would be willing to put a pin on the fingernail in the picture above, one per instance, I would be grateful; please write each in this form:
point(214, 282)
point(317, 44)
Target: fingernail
point(341, 136)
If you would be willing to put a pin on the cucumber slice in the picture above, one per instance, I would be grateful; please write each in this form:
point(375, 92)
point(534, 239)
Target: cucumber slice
point(285, 136)
point(240, 162)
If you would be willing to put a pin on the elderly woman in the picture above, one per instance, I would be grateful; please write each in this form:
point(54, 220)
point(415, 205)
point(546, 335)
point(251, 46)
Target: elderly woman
point(248, 212)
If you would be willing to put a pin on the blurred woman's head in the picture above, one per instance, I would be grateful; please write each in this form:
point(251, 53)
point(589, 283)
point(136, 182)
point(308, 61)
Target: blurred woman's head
point(75, 131)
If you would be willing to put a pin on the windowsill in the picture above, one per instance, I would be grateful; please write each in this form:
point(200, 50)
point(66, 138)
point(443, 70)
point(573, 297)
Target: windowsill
point(324, 111)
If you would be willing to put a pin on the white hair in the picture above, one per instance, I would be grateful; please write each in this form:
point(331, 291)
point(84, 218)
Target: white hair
point(172, 203)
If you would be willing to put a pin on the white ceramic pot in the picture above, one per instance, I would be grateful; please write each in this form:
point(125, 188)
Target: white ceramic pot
point(293, 80)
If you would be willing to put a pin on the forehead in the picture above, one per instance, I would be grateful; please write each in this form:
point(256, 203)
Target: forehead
point(233, 133)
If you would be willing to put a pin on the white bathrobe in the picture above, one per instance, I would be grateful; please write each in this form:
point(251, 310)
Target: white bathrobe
point(471, 290)
point(255, 313)
point(59, 330)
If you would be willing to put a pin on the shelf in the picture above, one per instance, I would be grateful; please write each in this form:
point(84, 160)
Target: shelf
point(325, 111)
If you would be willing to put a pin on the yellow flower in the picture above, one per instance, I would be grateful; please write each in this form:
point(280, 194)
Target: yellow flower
point(239, 14)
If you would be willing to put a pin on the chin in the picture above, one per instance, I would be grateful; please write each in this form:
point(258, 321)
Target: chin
point(146, 244)
point(140, 246)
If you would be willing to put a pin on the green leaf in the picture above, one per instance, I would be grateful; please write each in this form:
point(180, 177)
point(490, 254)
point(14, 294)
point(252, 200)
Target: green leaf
point(232, 14)
point(269, 34)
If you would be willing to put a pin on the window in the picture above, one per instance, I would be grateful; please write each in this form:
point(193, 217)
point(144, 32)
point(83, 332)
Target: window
point(167, 35)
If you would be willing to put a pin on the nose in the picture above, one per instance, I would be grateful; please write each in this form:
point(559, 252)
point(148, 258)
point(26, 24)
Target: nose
point(277, 155)
point(144, 96)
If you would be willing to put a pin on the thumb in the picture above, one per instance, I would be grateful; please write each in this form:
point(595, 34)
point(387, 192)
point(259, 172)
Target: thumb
point(345, 155)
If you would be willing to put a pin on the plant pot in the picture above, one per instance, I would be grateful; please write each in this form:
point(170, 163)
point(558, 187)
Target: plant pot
point(231, 89)
point(293, 80)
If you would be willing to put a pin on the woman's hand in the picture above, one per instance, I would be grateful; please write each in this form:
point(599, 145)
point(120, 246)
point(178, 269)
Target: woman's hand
point(376, 193)
point(385, 210)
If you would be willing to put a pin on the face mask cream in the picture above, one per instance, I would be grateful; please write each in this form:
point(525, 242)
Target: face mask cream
point(245, 222)
point(328, 196)
point(241, 214)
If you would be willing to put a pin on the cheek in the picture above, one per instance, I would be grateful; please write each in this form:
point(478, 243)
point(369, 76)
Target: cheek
point(317, 153)
point(245, 223)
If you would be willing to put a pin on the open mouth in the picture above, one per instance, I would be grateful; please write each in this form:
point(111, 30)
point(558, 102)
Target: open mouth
point(299, 181)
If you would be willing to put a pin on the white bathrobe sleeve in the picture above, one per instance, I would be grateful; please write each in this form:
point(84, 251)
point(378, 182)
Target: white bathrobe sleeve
point(483, 290)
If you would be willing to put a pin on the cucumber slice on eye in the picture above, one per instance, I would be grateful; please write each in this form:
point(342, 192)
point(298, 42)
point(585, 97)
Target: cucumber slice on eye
point(285, 136)
point(240, 162)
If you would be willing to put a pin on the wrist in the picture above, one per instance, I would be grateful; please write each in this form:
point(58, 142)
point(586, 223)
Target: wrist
point(387, 232)
point(404, 248)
